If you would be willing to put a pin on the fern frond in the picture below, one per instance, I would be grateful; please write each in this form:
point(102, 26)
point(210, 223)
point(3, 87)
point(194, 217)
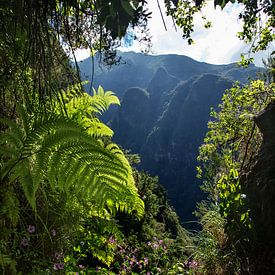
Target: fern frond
point(13, 127)
point(56, 150)
point(24, 118)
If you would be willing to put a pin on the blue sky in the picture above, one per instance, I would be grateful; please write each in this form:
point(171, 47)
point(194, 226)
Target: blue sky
point(217, 45)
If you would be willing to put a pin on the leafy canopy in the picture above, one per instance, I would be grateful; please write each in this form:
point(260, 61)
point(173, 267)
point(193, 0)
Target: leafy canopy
point(230, 146)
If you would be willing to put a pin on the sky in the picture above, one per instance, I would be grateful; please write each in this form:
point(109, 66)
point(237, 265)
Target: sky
point(217, 45)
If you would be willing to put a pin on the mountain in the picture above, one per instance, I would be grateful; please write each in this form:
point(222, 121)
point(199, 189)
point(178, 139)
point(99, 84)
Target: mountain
point(166, 101)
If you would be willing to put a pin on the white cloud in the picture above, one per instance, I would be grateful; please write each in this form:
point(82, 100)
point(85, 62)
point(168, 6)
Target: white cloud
point(217, 45)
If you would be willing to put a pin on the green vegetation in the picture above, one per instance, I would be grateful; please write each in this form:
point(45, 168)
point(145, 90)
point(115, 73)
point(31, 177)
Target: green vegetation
point(229, 151)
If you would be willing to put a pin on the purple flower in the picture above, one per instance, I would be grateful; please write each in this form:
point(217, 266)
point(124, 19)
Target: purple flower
point(186, 264)
point(155, 246)
point(145, 260)
point(25, 242)
point(60, 266)
point(148, 273)
point(57, 255)
point(111, 240)
point(160, 241)
point(193, 264)
point(55, 266)
point(131, 262)
point(31, 229)
point(53, 232)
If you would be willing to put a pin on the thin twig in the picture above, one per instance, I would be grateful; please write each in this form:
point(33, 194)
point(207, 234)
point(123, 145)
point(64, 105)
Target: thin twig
point(162, 15)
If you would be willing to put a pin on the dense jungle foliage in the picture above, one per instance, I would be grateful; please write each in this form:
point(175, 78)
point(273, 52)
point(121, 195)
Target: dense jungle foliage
point(71, 199)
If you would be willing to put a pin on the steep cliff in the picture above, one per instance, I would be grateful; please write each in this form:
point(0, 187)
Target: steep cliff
point(260, 181)
point(259, 186)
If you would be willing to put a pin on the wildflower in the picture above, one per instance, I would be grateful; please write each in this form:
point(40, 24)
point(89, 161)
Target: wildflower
point(82, 266)
point(57, 255)
point(145, 260)
point(148, 273)
point(25, 242)
point(122, 251)
point(53, 232)
point(160, 241)
point(155, 246)
point(111, 240)
point(193, 264)
point(149, 243)
point(60, 266)
point(158, 269)
point(186, 264)
point(31, 229)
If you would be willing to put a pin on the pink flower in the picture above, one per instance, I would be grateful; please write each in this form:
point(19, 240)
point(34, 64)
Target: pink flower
point(57, 255)
point(193, 264)
point(111, 240)
point(31, 229)
point(155, 246)
point(145, 260)
point(60, 266)
point(53, 232)
point(25, 242)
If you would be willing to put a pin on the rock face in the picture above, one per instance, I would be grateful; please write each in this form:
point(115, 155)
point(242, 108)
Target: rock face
point(172, 146)
point(166, 128)
point(260, 181)
point(133, 121)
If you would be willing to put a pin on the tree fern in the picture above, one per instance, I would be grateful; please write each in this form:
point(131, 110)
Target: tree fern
point(58, 151)
point(84, 108)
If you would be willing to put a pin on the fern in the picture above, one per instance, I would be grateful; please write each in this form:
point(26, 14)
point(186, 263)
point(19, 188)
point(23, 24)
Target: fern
point(58, 151)
point(84, 108)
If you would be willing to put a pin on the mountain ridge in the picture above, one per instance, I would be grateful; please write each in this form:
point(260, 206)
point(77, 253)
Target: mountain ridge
point(165, 106)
